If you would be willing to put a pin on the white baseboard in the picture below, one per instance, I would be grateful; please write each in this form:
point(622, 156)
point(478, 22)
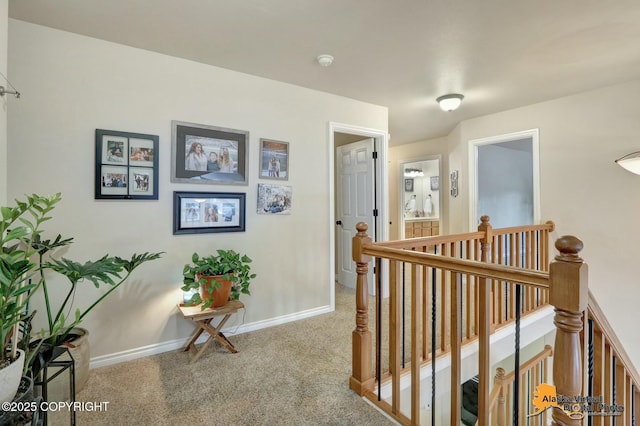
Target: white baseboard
point(172, 345)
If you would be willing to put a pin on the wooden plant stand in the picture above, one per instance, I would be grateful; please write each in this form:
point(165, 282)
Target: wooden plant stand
point(203, 319)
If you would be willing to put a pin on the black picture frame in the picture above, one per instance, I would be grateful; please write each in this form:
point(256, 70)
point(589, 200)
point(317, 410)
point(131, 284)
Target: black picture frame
point(208, 212)
point(200, 167)
point(408, 185)
point(126, 165)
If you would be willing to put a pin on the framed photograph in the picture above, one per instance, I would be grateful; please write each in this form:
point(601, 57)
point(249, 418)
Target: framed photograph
point(274, 159)
point(408, 185)
point(208, 155)
point(274, 199)
point(206, 212)
point(126, 165)
point(435, 183)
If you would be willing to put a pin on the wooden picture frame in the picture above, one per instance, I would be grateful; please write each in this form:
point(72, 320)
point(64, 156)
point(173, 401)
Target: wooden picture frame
point(126, 165)
point(221, 159)
point(274, 159)
point(208, 212)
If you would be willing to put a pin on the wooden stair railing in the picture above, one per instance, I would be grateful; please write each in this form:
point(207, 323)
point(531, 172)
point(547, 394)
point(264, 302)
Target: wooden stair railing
point(566, 281)
point(500, 403)
point(608, 370)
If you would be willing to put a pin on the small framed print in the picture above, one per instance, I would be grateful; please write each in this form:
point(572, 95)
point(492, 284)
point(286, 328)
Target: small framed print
point(408, 185)
point(274, 199)
point(274, 159)
point(126, 165)
point(435, 183)
point(208, 154)
point(206, 212)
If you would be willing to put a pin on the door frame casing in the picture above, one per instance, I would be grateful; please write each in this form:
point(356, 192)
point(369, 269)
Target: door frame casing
point(381, 146)
point(473, 170)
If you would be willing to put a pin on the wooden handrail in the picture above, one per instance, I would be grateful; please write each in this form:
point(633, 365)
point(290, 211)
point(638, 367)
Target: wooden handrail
point(472, 284)
point(595, 312)
point(462, 266)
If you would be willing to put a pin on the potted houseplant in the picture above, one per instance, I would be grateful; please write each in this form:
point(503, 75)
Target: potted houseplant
point(219, 276)
point(28, 261)
point(20, 226)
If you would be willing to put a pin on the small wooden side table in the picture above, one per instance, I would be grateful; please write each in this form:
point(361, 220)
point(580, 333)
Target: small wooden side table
point(203, 321)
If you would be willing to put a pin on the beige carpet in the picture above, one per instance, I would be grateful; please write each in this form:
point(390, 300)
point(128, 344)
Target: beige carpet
point(293, 374)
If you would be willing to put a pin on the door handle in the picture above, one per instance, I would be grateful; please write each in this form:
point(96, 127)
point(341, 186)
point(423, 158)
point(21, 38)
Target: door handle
point(339, 222)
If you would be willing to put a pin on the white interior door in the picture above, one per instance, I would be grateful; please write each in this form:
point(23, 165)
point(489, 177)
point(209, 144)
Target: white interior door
point(355, 190)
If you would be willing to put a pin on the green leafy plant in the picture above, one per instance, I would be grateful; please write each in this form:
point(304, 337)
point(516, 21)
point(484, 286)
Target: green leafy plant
point(19, 228)
point(27, 261)
point(228, 264)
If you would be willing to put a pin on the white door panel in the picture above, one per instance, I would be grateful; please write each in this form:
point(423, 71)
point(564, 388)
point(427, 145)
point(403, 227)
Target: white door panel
point(355, 174)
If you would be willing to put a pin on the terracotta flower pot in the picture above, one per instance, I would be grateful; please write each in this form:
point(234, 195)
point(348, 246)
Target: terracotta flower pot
point(220, 295)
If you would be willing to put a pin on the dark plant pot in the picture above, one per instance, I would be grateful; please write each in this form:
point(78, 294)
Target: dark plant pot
point(24, 394)
point(77, 342)
point(220, 294)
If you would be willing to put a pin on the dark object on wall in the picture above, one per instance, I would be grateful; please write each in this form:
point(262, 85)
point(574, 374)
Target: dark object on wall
point(205, 212)
point(126, 166)
point(408, 185)
point(208, 154)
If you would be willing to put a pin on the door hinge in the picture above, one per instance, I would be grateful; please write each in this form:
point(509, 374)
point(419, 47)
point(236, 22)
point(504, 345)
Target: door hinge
point(375, 155)
point(374, 270)
point(375, 212)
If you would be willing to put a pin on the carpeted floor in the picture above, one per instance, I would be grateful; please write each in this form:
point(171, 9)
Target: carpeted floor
point(293, 374)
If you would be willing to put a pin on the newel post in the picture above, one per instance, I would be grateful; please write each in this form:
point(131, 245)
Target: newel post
point(361, 379)
point(484, 324)
point(569, 295)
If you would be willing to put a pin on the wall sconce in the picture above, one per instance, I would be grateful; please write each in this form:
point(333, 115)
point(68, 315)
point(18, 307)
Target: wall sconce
point(631, 162)
point(450, 102)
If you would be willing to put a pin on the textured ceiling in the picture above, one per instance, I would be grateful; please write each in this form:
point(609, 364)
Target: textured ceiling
point(500, 54)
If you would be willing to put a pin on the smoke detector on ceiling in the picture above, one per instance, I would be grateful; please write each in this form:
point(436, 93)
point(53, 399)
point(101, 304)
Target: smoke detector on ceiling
point(325, 60)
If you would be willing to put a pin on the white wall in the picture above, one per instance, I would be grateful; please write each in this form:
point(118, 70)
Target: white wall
point(582, 190)
point(4, 35)
point(73, 84)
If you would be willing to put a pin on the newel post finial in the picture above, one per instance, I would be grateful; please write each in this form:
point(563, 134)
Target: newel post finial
point(569, 294)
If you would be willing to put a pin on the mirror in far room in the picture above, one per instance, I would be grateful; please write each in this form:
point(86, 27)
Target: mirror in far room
point(420, 215)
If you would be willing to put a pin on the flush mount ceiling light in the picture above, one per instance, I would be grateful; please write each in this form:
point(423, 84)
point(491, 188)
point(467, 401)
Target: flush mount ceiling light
point(630, 162)
point(450, 102)
point(325, 60)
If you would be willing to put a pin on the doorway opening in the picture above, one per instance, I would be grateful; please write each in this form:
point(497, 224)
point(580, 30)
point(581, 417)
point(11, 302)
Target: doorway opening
point(420, 198)
point(504, 179)
point(358, 158)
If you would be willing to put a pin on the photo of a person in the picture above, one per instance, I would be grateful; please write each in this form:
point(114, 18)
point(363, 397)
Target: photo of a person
point(212, 163)
point(193, 213)
point(137, 155)
point(114, 180)
point(274, 199)
point(114, 151)
point(196, 158)
point(274, 157)
point(211, 213)
point(225, 162)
